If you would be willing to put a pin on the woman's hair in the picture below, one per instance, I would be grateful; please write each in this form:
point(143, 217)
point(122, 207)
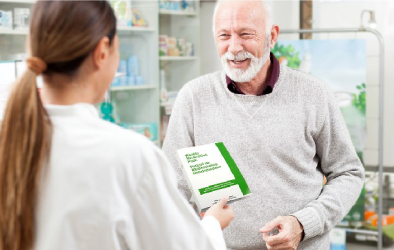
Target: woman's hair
point(62, 34)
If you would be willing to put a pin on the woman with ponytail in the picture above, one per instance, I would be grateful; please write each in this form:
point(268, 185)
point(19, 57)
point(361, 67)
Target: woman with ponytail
point(70, 180)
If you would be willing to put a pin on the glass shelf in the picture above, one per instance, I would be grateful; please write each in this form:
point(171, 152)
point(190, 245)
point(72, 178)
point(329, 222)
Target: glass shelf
point(13, 32)
point(133, 87)
point(134, 29)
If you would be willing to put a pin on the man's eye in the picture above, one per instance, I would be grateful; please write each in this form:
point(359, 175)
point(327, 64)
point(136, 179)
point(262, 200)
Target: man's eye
point(246, 34)
point(223, 35)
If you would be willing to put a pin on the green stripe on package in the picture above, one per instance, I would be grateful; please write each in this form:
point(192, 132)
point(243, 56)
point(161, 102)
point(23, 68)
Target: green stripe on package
point(239, 179)
point(218, 186)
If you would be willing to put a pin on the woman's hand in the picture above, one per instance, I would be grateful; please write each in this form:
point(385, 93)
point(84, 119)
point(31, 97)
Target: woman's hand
point(222, 212)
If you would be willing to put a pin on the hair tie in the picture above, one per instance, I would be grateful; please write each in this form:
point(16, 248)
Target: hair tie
point(36, 65)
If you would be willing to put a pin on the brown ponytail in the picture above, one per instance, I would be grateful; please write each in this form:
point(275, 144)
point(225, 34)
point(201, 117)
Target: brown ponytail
point(62, 34)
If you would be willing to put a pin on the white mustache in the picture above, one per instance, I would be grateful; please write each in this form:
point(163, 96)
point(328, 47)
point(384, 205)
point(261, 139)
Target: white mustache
point(240, 56)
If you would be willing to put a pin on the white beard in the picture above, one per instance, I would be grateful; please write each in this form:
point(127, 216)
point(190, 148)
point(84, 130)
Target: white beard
point(240, 75)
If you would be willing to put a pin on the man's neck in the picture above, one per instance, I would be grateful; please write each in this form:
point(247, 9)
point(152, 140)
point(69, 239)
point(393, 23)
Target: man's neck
point(258, 83)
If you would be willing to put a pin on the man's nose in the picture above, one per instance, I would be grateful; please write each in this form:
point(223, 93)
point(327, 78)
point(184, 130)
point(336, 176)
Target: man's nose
point(235, 45)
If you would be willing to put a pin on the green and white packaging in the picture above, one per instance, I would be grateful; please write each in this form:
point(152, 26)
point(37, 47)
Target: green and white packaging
point(212, 174)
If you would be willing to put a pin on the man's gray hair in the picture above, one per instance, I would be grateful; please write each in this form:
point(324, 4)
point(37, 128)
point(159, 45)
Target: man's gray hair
point(267, 11)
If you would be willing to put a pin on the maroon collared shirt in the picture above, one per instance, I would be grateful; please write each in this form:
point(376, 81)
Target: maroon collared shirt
point(273, 76)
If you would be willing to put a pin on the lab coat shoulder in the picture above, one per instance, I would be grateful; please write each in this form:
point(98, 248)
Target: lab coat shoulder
point(158, 210)
point(134, 154)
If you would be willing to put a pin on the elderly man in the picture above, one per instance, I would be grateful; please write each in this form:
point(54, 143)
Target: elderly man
point(283, 129)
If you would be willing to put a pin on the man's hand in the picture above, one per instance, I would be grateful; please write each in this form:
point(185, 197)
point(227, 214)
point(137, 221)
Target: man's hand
point(289, 236)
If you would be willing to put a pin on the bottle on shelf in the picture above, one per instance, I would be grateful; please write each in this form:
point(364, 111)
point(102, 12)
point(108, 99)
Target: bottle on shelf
point(163, 89)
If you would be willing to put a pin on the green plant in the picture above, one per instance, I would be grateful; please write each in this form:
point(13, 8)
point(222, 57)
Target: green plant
point(288, 52)
point(359, 101)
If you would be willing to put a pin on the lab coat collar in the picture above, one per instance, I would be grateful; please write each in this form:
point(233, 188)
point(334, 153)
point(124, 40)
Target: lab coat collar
point(80, 109)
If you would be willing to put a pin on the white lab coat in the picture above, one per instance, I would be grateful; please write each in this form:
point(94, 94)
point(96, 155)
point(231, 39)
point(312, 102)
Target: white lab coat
point(110, 188)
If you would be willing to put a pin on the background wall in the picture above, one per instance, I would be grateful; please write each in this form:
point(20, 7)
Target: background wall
point(347, 14)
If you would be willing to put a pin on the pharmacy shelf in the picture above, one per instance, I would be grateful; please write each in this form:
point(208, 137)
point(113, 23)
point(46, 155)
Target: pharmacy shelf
point(178, 58)
point(359, 231)
point(135, 29)
point(133, 87)
point(13, 32)
point(18, 1)
point(178, 12)
point(120, 29)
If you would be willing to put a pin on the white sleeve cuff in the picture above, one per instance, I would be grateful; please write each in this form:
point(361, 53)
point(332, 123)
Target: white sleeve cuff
point(214, 232)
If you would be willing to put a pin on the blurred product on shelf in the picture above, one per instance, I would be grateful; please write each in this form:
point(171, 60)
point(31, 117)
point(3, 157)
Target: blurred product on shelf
point(163, 87)
point(163, 48)
point(131, 70)
point(147, 129)
point(108, 112)
point(387, 220)
point(368, 214)
point(21, 18)
point(139, 80)
point(132, 66)
point(5, 19)
point(137, 18)
point(189, 49)
point(177, 5)
point(168, 105)
point(172, 46)
point(127, 15)
point(122, 10)
point(181, 46)
point(164, 125)
point(337, 239)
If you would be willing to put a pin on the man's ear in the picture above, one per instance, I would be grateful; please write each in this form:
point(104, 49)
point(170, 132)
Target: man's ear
point(274, 36)
point(101, 52)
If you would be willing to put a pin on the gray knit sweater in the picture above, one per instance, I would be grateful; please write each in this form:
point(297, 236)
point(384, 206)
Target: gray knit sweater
point(283, 143)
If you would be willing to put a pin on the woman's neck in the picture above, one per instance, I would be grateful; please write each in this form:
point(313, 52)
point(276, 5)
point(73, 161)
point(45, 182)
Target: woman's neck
point(62, 90)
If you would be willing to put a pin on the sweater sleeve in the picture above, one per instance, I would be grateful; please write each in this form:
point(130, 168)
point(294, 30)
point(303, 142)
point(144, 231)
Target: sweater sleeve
point(180, 134)
point(342, 167)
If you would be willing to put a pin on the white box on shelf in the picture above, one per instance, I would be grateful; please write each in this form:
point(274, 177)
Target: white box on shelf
point(337, 239)
point(5, 20)
point(21, 18)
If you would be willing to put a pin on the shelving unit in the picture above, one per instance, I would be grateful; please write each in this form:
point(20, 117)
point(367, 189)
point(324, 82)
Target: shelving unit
point(179, 69)
point(135, 104)
point(18, 1)
point(12, 41)
point(121, 30)
point(139, 104)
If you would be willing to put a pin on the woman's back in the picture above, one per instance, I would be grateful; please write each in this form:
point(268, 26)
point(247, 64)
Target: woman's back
point(109, 188)
point(85, 194)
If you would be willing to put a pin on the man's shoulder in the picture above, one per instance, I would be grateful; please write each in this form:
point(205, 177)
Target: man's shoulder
point(304, 80)
point(204, 82)
point(302, 77)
